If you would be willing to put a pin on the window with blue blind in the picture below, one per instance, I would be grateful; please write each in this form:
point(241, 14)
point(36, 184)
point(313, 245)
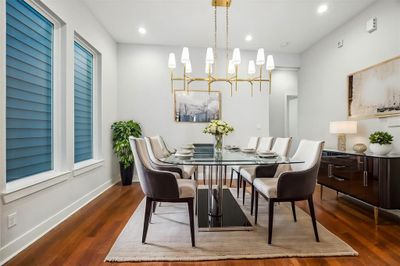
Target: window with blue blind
point(83, 101)
point(29, 90)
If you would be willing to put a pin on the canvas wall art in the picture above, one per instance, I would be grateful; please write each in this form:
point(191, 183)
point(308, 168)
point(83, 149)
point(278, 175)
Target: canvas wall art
point(375, 91)
point(197, 106)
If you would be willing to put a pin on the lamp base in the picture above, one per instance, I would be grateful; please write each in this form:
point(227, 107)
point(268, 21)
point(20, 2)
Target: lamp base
point(341, 145)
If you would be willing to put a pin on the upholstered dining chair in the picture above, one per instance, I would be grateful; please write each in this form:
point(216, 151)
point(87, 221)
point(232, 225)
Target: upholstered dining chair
point(247, 174)
point(293, 185)
point(161, 186)
point(158, 150)
point(252, 144)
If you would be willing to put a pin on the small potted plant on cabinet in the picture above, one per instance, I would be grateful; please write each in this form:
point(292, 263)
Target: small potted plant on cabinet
point(381, 142)
point(121, 131)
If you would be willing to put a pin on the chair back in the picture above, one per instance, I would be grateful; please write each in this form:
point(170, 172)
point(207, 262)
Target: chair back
point(253, 142)
point(265, 144)
point(282, 146)
point(158, 149)
point(300, 182)
point(152, 145)
point(155, 184)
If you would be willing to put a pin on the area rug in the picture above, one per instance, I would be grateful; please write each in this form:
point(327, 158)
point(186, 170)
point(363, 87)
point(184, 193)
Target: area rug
point(168, 237)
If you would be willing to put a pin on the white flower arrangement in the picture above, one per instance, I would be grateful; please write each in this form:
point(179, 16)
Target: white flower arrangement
point(218, 127)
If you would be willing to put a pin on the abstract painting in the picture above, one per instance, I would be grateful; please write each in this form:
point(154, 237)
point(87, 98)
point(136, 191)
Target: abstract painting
point(197, 106)
point(375, 91)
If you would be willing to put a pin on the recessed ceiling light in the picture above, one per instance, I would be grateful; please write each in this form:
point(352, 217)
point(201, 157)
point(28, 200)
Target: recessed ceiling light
point(142, 30)
point(322, 9)
point(248, 38)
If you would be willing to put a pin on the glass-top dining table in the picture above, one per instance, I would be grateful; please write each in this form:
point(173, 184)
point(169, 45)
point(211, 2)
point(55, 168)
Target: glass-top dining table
point(217, 209)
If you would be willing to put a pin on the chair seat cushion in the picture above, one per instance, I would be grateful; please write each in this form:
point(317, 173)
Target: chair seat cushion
point(187, 188)
point(188, 171)
point(248, 173)
point(267, 186)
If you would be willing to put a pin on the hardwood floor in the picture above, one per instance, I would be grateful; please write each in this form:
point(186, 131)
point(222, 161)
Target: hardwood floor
point(87, 236)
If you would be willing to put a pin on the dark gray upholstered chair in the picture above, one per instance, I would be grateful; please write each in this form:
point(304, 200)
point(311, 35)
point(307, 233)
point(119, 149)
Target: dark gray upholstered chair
point(161, 186)
point(158, 150)
point(296, 184)
point(247, 174)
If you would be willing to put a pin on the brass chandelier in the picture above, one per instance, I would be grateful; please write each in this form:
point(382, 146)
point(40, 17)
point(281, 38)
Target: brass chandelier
point(232, 67)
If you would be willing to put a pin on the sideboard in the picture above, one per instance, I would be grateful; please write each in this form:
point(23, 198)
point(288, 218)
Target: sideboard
point(373, 179)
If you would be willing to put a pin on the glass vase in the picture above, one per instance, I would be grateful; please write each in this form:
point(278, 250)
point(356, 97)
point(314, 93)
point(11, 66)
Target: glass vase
point(218, 144)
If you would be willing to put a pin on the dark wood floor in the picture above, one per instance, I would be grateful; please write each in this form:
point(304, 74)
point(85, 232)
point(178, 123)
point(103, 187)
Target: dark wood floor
point(87, 236)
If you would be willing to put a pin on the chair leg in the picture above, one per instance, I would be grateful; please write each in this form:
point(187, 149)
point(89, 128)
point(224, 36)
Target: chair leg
point(244, 189)
point(230, 183)
point(252, 199)
point(225, 168)
point(204, 175)
point(147, 214)
point(256, 206)
point(237, 185)
point(294, 211)
point(312, 213)
point(191, 218)
point(154, 206)
point(270, 219)
point(195, 175)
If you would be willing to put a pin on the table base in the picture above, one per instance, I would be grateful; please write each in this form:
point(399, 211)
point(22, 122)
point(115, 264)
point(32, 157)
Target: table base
point(232, 219)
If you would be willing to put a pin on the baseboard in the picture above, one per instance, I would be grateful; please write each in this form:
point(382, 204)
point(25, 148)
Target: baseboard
point(22, 242)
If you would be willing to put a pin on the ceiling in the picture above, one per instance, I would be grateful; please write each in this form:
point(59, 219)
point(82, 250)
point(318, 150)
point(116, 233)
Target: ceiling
point(277, 25)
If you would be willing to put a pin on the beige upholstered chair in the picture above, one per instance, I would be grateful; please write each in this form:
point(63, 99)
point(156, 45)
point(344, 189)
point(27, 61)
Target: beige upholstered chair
point(161, 186)
point(158, 150)
point(292, 185)
point(281, 147)
point(252, 144)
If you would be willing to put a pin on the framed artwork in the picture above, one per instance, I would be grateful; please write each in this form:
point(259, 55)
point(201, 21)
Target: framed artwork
point(375, 91)
point(197, 106)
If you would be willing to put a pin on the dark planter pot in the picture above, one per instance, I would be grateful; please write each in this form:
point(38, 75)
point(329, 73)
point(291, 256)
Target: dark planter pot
point(126, 174)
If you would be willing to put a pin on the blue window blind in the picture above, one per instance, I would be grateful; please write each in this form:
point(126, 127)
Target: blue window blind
point(83, 83)
point(29, 60)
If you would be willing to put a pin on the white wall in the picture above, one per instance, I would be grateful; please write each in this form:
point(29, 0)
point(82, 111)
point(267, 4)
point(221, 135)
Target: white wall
point(38, 212)
point(144, 94)
point(322, 79)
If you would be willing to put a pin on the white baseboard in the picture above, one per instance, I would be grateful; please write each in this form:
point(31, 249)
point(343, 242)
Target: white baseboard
point(17, 245)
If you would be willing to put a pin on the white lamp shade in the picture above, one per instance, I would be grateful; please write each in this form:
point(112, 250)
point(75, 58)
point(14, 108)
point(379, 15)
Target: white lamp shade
point(185, 55)
point(270, 63)
point(343, 127)
point(252, 68)
point(231, 67)
point(236, 56)
point(260, 57)
point(188, 67)
point(208, 68)
point(210, 56)
point(171, 61)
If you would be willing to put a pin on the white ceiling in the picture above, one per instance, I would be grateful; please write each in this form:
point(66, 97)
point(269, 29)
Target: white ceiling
point(190, 22)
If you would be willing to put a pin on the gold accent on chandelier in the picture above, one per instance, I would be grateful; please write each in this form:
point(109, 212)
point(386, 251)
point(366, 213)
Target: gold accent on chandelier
point(232, 67)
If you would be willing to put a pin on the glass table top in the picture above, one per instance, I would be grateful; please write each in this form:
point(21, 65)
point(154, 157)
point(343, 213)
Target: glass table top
point(227, 158)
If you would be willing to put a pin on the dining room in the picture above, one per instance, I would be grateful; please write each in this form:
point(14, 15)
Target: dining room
point(200, 132)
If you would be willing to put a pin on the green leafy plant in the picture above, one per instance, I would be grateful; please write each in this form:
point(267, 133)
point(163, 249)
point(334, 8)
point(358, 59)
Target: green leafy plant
point(121, 131)
point(381, 138)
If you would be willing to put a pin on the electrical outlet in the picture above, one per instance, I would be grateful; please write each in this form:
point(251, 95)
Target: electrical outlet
point(12, 220)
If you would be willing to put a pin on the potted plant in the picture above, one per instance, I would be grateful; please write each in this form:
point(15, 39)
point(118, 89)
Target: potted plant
point(218, 128)
point(121, 131)
point(381, 142)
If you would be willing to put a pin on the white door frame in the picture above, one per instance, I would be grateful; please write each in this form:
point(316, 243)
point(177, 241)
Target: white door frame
point(288, 97)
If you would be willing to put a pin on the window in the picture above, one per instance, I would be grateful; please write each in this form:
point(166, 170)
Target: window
point(83, 103)
point(29, 91)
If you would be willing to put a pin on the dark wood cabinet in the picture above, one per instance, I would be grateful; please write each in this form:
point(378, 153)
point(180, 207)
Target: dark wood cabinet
point(369, 178)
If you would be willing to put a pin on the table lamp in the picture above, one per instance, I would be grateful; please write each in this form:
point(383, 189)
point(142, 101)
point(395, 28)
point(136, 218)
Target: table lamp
point(342, 128)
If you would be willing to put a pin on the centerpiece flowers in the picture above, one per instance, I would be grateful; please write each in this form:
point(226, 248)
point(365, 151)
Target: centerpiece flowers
point(218, 128)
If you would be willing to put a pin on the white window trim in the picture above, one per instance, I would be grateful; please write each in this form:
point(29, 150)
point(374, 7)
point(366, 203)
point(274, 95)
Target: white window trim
point(87, 165)
point(31, 184)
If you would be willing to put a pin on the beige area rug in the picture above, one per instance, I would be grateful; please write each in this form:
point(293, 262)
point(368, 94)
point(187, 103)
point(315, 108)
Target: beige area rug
point(168, 238)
